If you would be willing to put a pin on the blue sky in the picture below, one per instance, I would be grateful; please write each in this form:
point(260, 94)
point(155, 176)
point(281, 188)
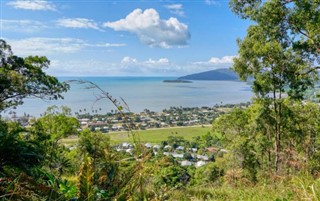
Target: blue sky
point(125, 37)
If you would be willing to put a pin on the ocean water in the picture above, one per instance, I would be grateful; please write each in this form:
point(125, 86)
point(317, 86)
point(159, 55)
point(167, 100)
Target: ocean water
point(142, 93)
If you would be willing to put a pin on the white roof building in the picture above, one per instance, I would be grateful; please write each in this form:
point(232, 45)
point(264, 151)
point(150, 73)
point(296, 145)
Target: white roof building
point(200, 163)
point(186, 163)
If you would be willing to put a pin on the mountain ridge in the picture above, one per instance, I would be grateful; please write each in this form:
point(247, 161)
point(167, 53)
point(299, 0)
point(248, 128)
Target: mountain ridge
point(217, 74)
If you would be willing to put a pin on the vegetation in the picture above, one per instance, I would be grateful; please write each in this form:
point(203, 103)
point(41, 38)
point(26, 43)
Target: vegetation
point(153, 136)
point(25, 77)
point(280, 52)
point(267, 151)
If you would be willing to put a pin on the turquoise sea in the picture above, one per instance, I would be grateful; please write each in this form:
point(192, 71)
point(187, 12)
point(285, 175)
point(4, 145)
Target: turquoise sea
point(141, 93)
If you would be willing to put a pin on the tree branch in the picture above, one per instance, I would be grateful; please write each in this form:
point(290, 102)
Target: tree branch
point(311, 70)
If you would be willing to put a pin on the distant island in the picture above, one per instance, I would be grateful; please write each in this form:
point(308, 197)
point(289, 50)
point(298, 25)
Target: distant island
point(178, 81)
point(218, 74)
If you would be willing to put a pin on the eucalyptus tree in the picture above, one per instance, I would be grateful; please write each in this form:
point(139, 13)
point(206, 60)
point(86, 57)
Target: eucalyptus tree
point(238, 133)
point(280, 53)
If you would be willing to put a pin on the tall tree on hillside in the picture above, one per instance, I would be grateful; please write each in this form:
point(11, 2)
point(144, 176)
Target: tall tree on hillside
point(281, 53)
point(25, 77)
point(55, 124)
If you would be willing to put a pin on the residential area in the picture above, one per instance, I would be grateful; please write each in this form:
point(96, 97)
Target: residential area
point(172, 117)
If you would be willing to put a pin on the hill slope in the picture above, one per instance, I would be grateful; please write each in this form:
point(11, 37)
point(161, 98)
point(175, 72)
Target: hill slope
point(218, 74)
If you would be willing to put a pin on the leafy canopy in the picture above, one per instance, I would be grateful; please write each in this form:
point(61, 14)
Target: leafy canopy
point(25, 77)
point(281, 50)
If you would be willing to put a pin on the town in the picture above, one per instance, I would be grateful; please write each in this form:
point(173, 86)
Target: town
point(199, 152)
point(172, 117)
point(115, 121)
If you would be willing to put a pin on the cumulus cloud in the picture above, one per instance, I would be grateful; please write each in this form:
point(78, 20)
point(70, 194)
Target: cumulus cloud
point(152, 30)
point(27, 26)
point(222, 60)
point(148, 67)
point(215, 63)
point(161, 61)
point(32, 5)
point(149, 62)
point(176, 9)
point(163, 66)
point(78, 23)
point(132, 66)
point(127, 66)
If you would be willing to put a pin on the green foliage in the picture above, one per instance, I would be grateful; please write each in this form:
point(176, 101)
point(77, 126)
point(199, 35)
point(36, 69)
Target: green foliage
point(280, 53)
point(68, 189)
point(158, 135)
point(172, 177)
point(18, 148)
point(176, 141)
point(250, 160)
point(58, 123)
point(25, 77)
point(86, 181)
point(187, 156)
point(55, 124)
point(207, 174)
point(296, 19)
point(93, 143)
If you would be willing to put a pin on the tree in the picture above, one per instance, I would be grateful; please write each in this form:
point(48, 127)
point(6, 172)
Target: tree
point(58, 123)
point(55, 124)
point(25, 77)
point(238, 132)
point(207, 174)
point(18, 148)
point(93, 144)
point(300, 20)
point(280, 53)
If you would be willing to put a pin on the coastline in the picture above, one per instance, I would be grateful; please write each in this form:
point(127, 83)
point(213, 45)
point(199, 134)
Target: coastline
point(143, 92)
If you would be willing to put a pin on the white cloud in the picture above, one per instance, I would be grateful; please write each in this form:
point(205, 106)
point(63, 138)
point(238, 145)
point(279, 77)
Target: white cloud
point(78, 23)
point(151, 66)
point(212, 63)
point(32, 5)
point(152, 30)
point(225, 60)
point(127, 66)
point(49, 46)
point(129, 60)
point(176, 9)
point(112, 45)
point(46, 46)
point(222, 60)
point(149, 62)
point(161, 61)
point(27, 26)
point(132, 66)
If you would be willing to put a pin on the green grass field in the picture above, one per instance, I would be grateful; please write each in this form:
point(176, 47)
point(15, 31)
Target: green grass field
point(158, 135)
point(153, 136)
